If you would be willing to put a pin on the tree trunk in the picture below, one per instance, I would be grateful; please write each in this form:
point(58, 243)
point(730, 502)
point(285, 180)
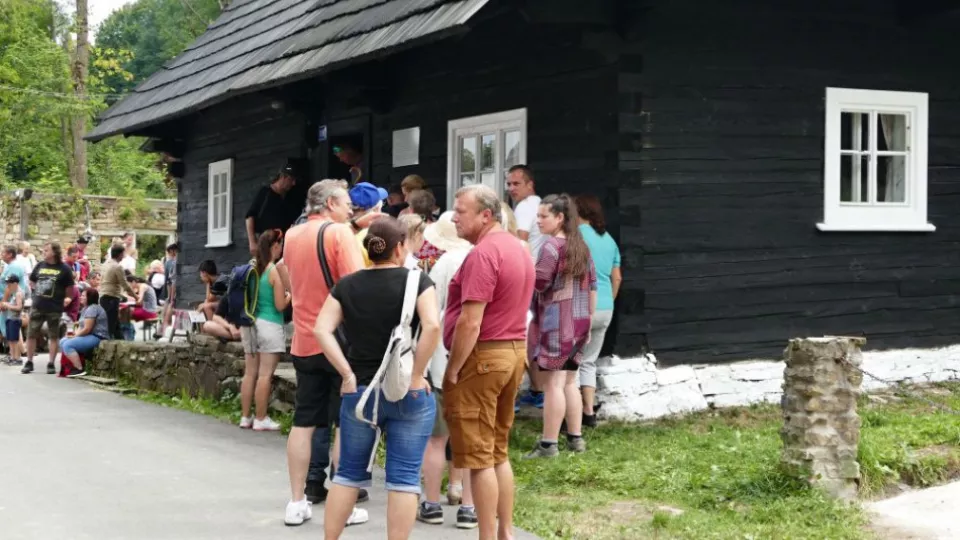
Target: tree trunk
point(79, 70)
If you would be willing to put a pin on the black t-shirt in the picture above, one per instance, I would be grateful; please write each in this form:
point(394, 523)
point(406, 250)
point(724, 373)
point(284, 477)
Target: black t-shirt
point(52, 282)
point(271, 210)
point(372, 301)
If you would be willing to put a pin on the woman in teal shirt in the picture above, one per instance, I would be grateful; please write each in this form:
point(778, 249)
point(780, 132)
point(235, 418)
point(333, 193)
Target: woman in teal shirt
point(265, 341)
point(606, 259)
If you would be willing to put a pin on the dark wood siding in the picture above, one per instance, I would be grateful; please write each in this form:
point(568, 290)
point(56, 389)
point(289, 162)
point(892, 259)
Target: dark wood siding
point(258, 139)
point(722, 156)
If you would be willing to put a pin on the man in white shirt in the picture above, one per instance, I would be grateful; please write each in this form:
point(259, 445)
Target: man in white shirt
point(523, 192)
point(521, 188)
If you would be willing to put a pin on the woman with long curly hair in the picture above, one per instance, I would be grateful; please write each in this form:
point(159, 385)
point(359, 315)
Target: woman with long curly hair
point(564, 300)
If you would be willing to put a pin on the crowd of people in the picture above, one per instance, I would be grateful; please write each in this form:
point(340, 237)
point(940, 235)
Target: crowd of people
point(501, 294)
point(61, 301)
point(497, 294)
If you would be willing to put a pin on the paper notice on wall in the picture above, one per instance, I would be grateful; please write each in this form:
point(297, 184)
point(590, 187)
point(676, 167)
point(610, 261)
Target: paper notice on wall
point(406, 147)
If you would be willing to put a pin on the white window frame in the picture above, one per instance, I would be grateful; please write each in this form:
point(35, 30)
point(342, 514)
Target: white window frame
point(219, 236)
point(499, 122)
point(909, 216)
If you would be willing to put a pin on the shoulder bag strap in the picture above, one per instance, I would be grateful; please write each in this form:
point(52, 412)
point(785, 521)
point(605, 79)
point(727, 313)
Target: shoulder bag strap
point(322, 255)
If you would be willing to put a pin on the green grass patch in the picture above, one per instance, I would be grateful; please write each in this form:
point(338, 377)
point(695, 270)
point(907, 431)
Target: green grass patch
point(226, 408)
point(710, 475)
point(716, 475)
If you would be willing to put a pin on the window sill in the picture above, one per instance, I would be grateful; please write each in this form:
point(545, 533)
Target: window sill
point(218, 245)
point(889, 227)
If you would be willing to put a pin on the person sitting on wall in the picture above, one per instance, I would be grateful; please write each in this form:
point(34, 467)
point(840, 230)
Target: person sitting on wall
point(349, 155)
point(88, 337)
point(218, 326)
point(146, 300)
point(216, 288)
point(273, 207)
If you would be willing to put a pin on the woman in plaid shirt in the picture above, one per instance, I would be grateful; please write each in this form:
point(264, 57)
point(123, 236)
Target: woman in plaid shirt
point(564, 300)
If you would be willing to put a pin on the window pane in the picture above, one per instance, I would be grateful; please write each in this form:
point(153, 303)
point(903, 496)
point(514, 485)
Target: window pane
point(217, 184)
point(511, 149)
point(489, 179)
point(892, 133)
point(892, 179)
point(216, 211)
point(468, 154)
point(467, 180)
point(487, 143)
point(853, 178)
point(854, 131)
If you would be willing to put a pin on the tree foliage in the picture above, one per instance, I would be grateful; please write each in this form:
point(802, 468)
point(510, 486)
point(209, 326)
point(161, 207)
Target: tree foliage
point(36, 95)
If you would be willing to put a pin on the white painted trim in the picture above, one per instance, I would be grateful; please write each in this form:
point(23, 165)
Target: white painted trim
point(515, 119)
point(636, 389)
point(908, 217)
point(219, 237)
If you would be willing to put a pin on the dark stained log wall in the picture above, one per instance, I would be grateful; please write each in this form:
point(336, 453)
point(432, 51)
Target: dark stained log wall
point(259, 139)
point(722, 157)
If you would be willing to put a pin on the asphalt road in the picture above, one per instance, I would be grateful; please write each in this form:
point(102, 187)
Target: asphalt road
point(81, 463)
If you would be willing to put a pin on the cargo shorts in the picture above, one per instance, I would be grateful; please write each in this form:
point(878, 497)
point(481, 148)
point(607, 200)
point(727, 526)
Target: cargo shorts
point(479, 408)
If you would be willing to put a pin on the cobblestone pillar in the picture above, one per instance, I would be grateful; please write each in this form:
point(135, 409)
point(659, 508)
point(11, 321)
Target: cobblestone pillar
point(821, 428)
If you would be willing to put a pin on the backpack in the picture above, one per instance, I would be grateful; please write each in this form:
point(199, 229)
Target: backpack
point(241, 295)
point(396, 370)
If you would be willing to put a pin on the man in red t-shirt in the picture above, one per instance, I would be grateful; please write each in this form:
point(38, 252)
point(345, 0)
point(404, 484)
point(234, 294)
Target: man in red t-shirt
point(485, 330)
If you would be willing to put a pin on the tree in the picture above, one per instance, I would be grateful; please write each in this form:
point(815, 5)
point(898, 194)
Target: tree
point(78, 124)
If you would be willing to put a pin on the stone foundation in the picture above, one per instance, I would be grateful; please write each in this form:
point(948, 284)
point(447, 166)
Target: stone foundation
point(636, 389)
point(202, 366)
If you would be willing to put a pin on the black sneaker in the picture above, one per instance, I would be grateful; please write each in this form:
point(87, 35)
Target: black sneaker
point(315, 492)
point(363, 496)
point(467, 518)
point(590, 420)
point(51, 369)
point(430, 513)
point(27, 368)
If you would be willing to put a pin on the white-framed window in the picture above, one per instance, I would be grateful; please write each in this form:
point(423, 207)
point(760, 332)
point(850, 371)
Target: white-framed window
point(875, 152)
point(481, 149)
point(220, 203)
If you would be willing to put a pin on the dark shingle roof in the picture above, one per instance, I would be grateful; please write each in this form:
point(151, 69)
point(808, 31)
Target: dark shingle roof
point(261, 43)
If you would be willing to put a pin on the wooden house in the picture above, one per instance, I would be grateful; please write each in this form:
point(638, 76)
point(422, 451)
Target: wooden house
point(770, 169)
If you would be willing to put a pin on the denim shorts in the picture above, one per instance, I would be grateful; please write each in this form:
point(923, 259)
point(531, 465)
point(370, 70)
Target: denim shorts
point(406, 424)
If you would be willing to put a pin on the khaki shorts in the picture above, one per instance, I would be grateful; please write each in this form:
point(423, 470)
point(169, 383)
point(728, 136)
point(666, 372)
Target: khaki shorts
point(263, 337)
point(479, 408)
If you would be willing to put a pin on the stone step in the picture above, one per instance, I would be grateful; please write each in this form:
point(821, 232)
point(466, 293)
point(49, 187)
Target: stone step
point(103, 381)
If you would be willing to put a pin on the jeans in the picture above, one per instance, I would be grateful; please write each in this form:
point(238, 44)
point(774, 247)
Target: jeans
point(79, 344)
point(407, 424)
point(319, 455)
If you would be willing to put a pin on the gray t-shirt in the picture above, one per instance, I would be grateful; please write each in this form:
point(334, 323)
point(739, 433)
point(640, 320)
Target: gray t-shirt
point(170, 271)
point(100, 327)
point(150, 300)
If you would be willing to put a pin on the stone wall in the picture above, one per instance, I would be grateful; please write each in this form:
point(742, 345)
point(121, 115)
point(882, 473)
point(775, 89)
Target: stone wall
point(64, 217)
point(636, 389)
point(201, 366)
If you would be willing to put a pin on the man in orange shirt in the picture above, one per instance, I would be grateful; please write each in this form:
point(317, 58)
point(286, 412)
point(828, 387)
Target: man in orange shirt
point(318, 384)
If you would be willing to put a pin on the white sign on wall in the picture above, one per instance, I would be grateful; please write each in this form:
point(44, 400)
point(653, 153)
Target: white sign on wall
point(406, 147)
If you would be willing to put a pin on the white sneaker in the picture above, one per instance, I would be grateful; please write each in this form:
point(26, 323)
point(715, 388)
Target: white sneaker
point(246, 422)
point(358, 516)
point(298, 512)
point(267, 424)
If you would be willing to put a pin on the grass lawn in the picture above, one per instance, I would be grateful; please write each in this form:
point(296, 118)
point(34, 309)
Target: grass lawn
point(720, 469)
point(708, 475)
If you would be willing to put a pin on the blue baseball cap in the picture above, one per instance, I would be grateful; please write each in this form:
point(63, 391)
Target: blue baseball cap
point(365, 195)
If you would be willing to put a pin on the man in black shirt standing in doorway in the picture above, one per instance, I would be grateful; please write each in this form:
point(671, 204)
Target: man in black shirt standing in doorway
point(273, 207)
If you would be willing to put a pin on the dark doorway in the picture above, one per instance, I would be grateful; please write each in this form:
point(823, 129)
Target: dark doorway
point(351, 134)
